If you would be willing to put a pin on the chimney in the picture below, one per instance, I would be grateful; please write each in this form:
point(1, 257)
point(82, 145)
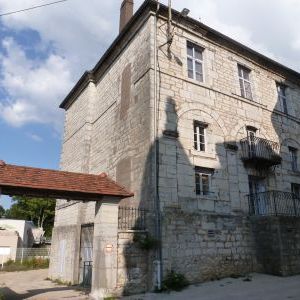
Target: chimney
point(126, 13)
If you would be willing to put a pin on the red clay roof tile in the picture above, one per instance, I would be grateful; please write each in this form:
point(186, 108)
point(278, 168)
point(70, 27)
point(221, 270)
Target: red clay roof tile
point(19, 179)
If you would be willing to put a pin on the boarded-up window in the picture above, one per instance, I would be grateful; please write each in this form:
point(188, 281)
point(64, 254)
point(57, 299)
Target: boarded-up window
point(123, 175)
point(125, 91)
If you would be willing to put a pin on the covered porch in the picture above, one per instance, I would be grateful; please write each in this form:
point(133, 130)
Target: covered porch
point(75, 188)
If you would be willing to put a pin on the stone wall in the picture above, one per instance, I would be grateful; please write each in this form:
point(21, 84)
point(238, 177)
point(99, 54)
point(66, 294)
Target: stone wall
point(109, 123)
point(277, 244)
point(134, 264)
point(217, 102)
point(205, 246)
point(64, 262)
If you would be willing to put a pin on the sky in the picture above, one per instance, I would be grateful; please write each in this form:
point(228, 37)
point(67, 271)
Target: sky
point(43, 52)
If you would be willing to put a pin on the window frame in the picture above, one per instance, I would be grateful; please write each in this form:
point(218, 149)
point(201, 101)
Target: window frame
point(197, 135)
point(200, 174)
point(295, 186)
point(293, 152)
point(243, 80)
point(195, 60)
point(282, 96)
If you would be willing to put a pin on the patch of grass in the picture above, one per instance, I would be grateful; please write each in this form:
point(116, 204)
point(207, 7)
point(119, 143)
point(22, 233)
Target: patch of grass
point(110, 298)
point(58, 281)
point(26, 265)
point(174, 282)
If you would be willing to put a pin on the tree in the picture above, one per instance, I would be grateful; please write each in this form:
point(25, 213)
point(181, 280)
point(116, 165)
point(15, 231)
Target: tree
point(40, 211)
point(2, 211)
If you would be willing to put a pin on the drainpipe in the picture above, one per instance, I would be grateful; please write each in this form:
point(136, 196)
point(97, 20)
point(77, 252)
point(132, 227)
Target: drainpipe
point(156, 162)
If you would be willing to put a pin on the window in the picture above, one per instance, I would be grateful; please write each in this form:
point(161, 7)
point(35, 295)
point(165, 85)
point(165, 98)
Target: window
point(200, 136)
point(281, 90)
point(251, 136)
point(251, 133)
point(245, 84)
point(195, 61)
point(296, 189)
point(203, 180)
point(294, 158)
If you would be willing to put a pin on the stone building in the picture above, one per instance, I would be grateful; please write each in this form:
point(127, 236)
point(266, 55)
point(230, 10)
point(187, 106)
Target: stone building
point(205, 132)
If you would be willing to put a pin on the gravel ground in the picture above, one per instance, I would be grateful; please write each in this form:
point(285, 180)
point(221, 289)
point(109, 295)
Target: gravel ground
point(261, 287)
point(32, 285)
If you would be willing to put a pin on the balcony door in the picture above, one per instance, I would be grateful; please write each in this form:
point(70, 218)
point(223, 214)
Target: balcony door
point(258, 197)
point(251, 135)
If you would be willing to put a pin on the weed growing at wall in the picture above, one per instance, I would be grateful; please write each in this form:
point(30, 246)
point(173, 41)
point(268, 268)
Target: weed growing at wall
point(146, 242)
point(174, 282)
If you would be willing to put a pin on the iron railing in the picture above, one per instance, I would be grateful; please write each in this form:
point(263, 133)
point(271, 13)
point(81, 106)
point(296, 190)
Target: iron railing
point(131, 218)
point(260, 151)
point(274, 203)
point(87, 274)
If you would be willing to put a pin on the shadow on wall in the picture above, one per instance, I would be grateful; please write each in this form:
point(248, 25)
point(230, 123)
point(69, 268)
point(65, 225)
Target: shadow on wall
point(275, 231)
point(204, 232)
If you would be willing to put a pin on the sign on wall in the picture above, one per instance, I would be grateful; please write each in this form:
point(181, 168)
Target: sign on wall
point(4, 250)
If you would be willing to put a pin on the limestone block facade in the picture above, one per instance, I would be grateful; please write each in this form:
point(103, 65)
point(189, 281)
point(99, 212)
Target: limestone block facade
point(135, 117)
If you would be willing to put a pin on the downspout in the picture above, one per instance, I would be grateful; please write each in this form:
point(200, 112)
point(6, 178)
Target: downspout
point(156, 162)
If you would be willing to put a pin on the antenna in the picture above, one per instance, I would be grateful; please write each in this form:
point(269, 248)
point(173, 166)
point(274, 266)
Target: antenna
point(170, 37)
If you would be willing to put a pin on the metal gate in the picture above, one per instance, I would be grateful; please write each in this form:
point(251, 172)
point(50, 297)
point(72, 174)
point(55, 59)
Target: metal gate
point(86, 255)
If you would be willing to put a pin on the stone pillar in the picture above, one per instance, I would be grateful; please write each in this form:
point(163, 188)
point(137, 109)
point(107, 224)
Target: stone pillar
point(104, 278)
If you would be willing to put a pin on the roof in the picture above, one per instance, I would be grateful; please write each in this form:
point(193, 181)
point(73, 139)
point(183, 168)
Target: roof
point(151, 5)
point(45, 183)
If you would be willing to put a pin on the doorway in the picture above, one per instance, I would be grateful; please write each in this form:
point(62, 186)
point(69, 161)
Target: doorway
point(86, 255)
point(258, 197)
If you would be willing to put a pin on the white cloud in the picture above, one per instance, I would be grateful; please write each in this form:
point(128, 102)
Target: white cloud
point(80, 31)
point(269, 26)
point(34, 137)
point(35, 87)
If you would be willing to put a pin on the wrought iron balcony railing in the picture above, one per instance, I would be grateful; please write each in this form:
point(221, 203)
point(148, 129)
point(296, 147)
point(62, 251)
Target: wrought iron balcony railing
point(274, 203)
point(131, 218)
point(260, 152)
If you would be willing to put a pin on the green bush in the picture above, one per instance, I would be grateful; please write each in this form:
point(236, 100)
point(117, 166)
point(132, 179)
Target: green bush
point(174, 282)
point(146, 243)
point(9, 262)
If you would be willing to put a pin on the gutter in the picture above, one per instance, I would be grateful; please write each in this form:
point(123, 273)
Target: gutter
point(159, 266)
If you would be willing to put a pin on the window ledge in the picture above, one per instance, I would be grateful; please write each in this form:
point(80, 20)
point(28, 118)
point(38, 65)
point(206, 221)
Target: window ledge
point(285, 114)
point(202, 154)
point(253, 101)
point(207, 197)
point(131, 230)
point(200, 83)
point(294, 173)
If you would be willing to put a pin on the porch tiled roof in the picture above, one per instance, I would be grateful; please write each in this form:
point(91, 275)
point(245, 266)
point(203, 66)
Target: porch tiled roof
point(19, 180)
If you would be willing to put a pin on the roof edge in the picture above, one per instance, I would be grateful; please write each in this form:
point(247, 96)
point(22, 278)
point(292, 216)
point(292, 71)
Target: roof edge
point(89, 76)
point(123, 190)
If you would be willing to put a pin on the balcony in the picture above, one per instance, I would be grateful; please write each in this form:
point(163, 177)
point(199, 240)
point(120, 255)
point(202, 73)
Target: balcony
point(260, 153)
point(274, 203)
